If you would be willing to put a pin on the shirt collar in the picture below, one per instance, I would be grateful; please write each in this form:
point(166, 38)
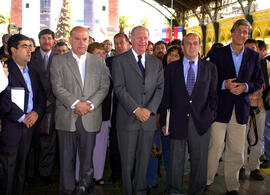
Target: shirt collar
point(83, 57)
point(241, 53)
point(186, 61)
point(136, 55)
point(26, 70)
point(43, 53)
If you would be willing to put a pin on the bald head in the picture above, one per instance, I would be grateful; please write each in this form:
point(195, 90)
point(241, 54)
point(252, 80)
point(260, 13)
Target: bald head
point(79, 39)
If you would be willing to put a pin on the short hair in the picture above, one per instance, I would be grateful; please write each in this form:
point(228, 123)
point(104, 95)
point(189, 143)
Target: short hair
point(4, 36)
point(107, 40)
point(78, 27)
point(45, 32)
point(91, 47)
point(241, 22)
point(173, 48)
point(137, 27)
point(261, 44)
point(14, 41)
point(177, 42)
point(248, 41)
point(121, 34)
point(33, 41)
point(60, 44)
point(160, 43)
point(189, 34)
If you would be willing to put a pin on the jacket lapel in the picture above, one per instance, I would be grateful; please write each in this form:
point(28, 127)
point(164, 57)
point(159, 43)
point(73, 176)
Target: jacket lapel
point(230, 64)
point(74, 69)
point(244, 63)
point(13, 68)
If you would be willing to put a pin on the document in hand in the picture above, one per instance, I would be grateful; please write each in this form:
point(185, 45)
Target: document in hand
point(17, 96)
point(168, 120)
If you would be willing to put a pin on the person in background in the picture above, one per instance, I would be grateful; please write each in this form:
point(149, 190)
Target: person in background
point(160, 49)
point(41, 61)
point(108, 48)
point(266, 137)
point(4, 48)
point(33, 45)
point(214, 46)
point(91, 39)
point(61, 48)
point(121, 44)
point(150, 48)
point(252, 161)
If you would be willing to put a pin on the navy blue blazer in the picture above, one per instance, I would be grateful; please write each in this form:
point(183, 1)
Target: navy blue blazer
point(201, 105)
point(5, 100)
point(250, 73)
point(11, 128)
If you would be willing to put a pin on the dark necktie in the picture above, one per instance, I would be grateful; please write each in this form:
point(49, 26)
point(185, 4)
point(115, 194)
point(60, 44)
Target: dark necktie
point(190, 78)
point(141, 65)
point(46, 60)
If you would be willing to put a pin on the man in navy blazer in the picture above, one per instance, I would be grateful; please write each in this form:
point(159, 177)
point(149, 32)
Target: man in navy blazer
point(190, 94)
point(239, 74)
point(18, 124)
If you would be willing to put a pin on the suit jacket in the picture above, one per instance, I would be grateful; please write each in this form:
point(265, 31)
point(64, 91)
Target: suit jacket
point(250, 73)
point(133, 91)
point(201, 104)
point(11, 128)
point(67, 87)
point(37, 64)
point(5, 100)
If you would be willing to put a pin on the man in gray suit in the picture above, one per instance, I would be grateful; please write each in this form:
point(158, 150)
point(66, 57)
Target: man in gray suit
point(138, 83)
point(80, 83)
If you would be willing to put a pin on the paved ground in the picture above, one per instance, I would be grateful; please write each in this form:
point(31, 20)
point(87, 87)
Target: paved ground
point(248, 187)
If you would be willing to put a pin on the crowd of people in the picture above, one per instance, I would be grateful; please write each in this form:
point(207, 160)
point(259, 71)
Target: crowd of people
point(143, 101)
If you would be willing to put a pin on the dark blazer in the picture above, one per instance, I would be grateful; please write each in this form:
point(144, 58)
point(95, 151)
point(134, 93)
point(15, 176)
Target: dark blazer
point(38, 65)
point(201, 105)
point(11, 128)
point(5, 100)
point(250, 73)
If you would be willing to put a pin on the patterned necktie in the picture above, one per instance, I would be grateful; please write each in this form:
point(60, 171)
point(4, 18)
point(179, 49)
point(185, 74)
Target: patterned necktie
point(190, 78)
point(46, 60)
point(141, 65)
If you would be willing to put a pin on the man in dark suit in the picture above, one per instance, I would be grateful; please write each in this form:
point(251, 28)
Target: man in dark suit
point(41, 62)
point(121, 45)
point(239, 74)
point(190, 94)
point(19, 123)
point(138, 83)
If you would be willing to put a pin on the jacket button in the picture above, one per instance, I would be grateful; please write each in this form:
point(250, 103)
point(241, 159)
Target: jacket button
point(188, 115)
point(190, 101)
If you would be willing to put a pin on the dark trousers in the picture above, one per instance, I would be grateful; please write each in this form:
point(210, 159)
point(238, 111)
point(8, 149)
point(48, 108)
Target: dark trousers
point(13, 160)
point(69, 142)
point(198, 149)
point(47, 153)
point(135, 149)
point(114, 154)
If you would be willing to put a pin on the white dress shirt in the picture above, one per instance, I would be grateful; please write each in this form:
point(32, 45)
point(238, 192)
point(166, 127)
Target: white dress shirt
point(3, 79)
point(136, 57)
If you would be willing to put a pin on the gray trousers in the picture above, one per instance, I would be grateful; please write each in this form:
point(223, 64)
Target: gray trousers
point(69, 142)
point(135, 151)
point(198, 149)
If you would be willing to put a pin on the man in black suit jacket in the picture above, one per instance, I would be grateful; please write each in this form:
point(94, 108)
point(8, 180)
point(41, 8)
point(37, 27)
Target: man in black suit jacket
point(18, 124)
point(41, 61)
point(239, 74)
point(190, 94)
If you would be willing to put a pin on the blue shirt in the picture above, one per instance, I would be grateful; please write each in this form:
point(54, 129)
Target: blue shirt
point(186, 67)
point(237, 60)
point(26, 76)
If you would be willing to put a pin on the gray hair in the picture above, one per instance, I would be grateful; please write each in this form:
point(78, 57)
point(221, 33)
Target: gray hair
point(189, 34)
point(241, 22)
point(137, 27)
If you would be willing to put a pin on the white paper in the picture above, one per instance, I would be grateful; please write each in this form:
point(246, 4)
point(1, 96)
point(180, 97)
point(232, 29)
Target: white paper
point(17, 96)
point(167, 120)
point(3, 79)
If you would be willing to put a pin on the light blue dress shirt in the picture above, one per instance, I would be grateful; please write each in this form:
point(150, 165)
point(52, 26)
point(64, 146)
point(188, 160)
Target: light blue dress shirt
point(237, 60)
point(26, 76)
point(186, 67)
